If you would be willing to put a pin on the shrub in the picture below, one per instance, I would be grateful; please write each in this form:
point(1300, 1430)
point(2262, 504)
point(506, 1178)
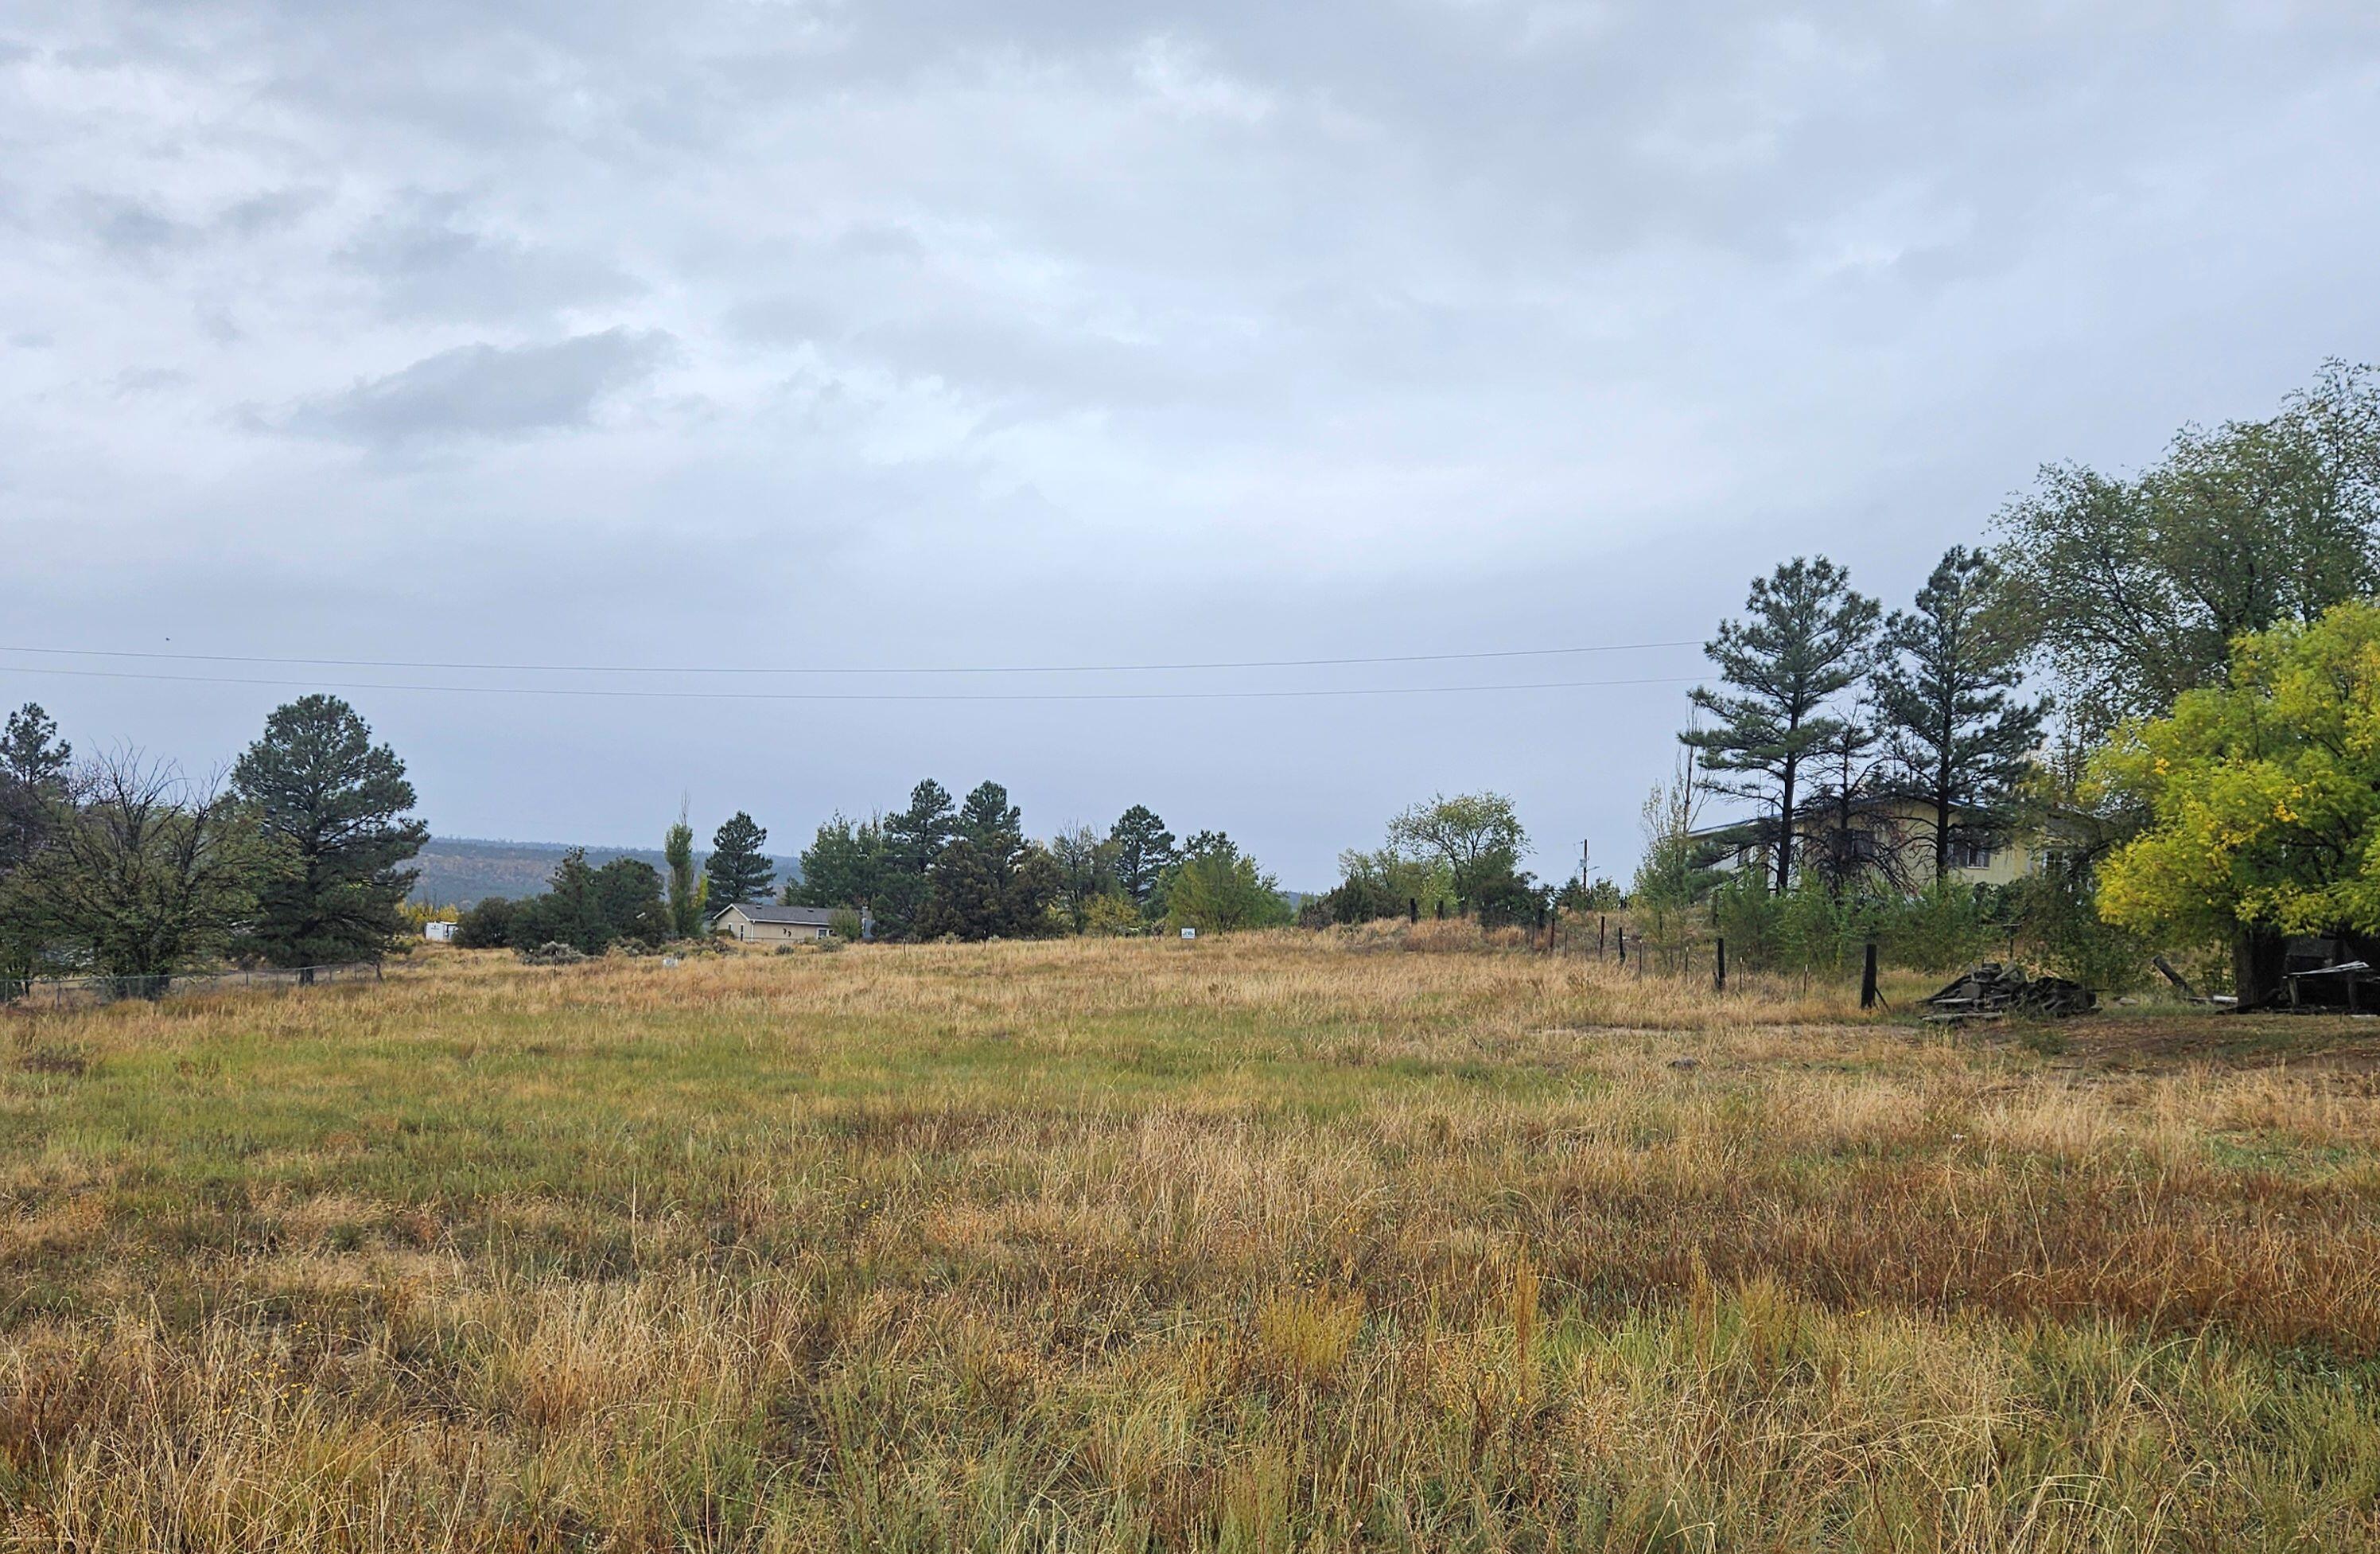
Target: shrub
point(1947, 927)
point(1111, 917)
point(551, 953)
point(488, 925)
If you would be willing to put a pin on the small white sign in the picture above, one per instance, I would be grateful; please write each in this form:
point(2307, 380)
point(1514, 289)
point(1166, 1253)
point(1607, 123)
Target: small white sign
point(1189, 933)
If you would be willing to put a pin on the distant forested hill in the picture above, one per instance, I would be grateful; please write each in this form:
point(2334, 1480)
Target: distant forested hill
point(457, 870)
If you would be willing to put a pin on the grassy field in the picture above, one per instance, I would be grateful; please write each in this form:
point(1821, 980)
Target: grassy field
point(1283, 1241)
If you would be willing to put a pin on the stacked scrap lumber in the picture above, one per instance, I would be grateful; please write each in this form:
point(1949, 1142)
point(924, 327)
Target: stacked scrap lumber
point(1992, 991)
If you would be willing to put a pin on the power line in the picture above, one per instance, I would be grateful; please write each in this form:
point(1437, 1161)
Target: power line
point(861, 669)
point(858, 695)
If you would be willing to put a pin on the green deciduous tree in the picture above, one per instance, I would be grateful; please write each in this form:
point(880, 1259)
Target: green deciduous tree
point(485, 924)
point(1086, 865)
point(1216, 888)
point(1805, 638)
point(629, 895)
point(1672, 873)
point(737, 870)
point(2263, 798)
point(2131, 589)
point(844, 865)
point(589, 908)
point(1476, 836)
point(335, 804)
point(1948, 695)
point(1387, 882)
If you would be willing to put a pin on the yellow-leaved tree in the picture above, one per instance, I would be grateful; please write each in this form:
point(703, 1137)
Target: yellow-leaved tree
point(2264, 798)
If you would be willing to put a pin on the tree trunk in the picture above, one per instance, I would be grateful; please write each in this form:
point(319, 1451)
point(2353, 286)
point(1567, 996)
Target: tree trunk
point(1785, 831)
point(1941, 837)
point(2258, 955)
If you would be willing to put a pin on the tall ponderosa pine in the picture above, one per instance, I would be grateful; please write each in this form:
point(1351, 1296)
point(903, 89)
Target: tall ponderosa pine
point(914, 838)
point(994, 826)
point(33, 762)
point(687, 892)
point(738, 871)
point(1947, 692)
point(965, 900)
point(1805, 639)
point(1143, 852)
point(335, 806)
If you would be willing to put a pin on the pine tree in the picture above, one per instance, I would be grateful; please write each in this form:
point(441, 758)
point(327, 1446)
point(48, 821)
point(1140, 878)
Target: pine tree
point(964, 900)
point(913, 838)
point(738, 871)
point(334, 804)
point(1808, 637)
point(33, 762)
point(1030, 900)
point(995, 827)
point(1144, 851)
point(1948, 693)
point(686, 893)
point(916, 836)
point(32, 782)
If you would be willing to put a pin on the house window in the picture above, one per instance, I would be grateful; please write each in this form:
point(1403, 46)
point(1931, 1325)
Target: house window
point(1970, 854)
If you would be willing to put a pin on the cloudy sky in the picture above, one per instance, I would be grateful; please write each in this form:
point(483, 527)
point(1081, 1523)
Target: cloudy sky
point(796, 333)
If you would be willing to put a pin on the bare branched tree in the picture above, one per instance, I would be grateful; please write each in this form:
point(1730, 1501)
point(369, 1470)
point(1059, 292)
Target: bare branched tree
point(149, 873)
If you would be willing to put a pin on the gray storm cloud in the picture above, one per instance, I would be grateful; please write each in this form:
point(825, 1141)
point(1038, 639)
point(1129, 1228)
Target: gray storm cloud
point(817, 335)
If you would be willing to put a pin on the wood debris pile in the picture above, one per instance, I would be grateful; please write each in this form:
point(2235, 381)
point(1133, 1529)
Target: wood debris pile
point(1992, 991)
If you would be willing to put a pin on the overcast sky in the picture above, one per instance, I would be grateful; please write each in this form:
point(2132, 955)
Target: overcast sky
point(923, 334)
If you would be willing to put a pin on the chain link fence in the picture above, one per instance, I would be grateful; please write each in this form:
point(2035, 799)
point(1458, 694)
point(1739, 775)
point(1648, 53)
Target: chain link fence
point(83, 992)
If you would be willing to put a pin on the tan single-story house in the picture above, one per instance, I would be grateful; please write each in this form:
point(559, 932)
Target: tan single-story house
point(755, 923)
point(1900, 832)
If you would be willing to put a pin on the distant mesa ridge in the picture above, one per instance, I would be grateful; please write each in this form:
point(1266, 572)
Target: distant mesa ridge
point(457, 870)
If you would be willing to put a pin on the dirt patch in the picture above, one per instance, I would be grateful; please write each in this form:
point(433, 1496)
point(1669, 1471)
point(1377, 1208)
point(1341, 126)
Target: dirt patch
point(2153, 1043)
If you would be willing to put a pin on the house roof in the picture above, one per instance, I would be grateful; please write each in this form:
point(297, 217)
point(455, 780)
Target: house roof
point(1898, 805)
point(761, 911)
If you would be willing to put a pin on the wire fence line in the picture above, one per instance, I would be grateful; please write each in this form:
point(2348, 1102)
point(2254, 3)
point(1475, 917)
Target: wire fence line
point(78, 992)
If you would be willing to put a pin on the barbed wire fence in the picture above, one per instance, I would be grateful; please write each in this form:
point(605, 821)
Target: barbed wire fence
point(83, 992)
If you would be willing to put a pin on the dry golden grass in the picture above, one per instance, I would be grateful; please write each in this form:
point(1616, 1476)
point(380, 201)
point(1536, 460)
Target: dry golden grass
point(1272, 1242)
